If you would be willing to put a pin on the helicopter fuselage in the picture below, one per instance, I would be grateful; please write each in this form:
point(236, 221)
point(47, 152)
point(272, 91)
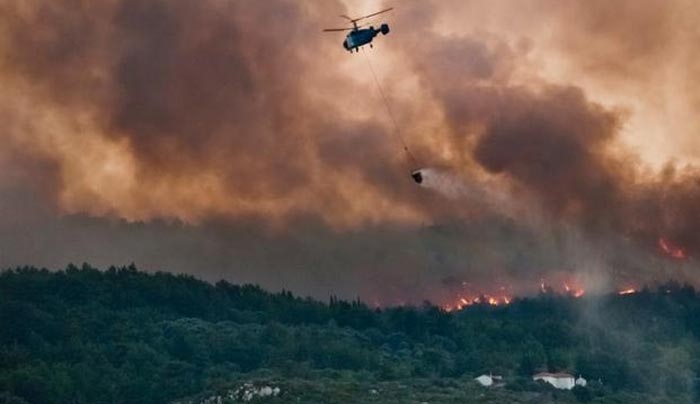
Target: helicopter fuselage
point(360, 37)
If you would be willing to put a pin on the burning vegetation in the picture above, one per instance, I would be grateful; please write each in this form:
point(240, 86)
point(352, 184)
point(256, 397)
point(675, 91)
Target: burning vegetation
point(463, 302)
point(503, 299)
point(504, 296)
point(191, 335)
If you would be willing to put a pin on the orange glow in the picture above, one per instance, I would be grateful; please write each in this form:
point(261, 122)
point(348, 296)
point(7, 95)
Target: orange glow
point(463, 302)
point(573, 290)
point(502, 299)
point(627, 291)
point(671, 250)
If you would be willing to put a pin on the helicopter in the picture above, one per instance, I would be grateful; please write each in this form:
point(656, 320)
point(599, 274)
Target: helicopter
point(358, 37)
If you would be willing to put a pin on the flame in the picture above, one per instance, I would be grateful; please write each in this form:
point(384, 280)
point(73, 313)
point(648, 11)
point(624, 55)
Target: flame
point(671, 250)
point(502, 298)
point(573, 291)
point(463, 302)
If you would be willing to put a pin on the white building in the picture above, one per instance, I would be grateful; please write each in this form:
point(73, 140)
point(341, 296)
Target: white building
point(581, 381)
point(563, 381)
point(488, 380)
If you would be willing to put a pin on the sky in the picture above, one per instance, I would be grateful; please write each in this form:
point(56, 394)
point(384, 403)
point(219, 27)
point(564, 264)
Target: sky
point(235, 140)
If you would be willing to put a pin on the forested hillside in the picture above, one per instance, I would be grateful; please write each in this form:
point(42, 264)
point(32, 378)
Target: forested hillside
point(87, 336)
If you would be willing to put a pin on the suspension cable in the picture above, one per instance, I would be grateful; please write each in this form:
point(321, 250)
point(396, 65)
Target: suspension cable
point(397, 130)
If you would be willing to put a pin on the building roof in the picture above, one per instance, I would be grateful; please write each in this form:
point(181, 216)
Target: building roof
point(494, 377)
point(560, 375)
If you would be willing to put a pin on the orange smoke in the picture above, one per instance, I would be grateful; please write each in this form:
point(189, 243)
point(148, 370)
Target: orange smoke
point(189, 112)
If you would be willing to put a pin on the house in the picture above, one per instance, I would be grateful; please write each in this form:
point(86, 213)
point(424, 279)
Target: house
point(489, 380)
point(563, 381)
point(581, 381)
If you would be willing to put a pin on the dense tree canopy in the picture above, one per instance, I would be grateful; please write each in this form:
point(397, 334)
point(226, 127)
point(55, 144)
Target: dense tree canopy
point(87, 336)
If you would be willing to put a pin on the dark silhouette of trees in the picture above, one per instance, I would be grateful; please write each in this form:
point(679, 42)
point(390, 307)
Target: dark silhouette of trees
point(121, 335)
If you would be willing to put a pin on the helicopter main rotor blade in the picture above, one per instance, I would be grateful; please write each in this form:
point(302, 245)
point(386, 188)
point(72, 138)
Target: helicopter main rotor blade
point(336, 29)
point(370, 15)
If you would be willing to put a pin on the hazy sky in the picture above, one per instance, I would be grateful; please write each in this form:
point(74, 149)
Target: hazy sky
point(233, 139)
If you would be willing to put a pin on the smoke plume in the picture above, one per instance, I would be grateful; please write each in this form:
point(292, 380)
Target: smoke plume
point(235, 140)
